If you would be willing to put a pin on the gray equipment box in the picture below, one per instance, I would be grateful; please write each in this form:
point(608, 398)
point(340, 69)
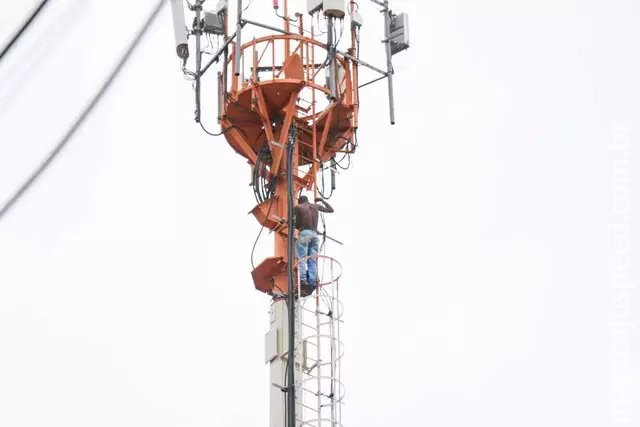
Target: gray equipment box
point(213, 23)
point(399, 33)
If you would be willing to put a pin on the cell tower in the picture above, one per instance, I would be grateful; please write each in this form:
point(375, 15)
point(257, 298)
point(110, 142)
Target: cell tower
point(288, 102)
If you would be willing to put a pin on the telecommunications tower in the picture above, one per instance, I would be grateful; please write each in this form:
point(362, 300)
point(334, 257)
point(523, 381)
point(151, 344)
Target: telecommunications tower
point(288, 102)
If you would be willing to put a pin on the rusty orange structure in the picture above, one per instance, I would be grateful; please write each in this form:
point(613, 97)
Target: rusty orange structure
point(265, 99)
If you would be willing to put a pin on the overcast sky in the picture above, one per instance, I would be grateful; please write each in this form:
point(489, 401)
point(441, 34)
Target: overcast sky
point(478, 265)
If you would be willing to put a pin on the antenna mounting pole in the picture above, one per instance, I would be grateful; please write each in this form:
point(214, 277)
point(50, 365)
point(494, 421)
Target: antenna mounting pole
point(387, 42)
point(198, 32)
point(238, 38)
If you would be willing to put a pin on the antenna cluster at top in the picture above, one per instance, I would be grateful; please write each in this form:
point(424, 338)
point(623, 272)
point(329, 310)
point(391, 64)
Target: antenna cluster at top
point(216, 23)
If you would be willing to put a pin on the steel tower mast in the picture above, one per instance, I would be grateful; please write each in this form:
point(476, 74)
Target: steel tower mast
point(288, 102)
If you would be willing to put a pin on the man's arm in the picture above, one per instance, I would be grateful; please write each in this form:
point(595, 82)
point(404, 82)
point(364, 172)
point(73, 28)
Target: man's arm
point(324, 207)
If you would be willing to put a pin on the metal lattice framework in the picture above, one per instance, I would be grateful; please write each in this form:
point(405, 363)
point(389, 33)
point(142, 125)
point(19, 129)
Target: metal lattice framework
point(279, 82)
point(319, 351)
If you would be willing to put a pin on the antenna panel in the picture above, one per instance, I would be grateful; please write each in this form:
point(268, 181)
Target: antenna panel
point(399, 33)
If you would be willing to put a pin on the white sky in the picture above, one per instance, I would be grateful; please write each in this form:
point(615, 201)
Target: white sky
point(125, 293)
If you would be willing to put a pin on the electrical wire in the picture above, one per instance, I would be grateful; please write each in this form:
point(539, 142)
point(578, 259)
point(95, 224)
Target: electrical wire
point(188, 74)
point(23, 28)
point(284, 18)
point(262, 189)
point(321, 191)
point(338, 163)
point(83, 116)
point(209, 49)
point(319, 26)
point(341, 32)
point(291, 410)
point(217, 134)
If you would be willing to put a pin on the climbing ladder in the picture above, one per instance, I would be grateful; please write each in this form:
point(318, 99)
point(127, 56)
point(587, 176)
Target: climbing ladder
point(319, 350)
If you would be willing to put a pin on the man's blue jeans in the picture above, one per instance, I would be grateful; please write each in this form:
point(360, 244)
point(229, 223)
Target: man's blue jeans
point(307, 246)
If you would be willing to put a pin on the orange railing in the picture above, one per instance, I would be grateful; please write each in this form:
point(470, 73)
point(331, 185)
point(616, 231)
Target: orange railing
point(261, 67)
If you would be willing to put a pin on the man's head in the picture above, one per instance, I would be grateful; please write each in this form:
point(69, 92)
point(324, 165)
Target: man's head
point(302, 200)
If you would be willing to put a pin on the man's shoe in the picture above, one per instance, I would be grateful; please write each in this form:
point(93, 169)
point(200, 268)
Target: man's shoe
point(307, 290)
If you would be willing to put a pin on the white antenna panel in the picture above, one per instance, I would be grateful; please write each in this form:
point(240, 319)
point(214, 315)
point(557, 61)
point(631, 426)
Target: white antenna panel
point(180, 29)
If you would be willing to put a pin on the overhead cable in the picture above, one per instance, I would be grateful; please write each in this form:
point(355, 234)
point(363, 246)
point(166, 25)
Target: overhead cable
point(85, 113)
point(23, 28)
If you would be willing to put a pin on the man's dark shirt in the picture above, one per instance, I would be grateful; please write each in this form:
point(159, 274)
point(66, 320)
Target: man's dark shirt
point(307, 215)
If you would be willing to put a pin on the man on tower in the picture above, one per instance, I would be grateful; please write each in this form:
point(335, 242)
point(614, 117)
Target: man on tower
point(306, 216)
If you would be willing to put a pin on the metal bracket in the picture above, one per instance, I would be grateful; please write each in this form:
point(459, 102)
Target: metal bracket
point(282, 389)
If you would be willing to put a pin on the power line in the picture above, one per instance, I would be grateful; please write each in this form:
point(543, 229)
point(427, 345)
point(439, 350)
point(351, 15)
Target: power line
point(88, 109)
point(22, 29)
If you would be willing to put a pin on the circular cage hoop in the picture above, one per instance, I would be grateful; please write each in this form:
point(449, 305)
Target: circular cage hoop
point(332, 261)
point(339, 399)
point(326, 337)
point(304, 41)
